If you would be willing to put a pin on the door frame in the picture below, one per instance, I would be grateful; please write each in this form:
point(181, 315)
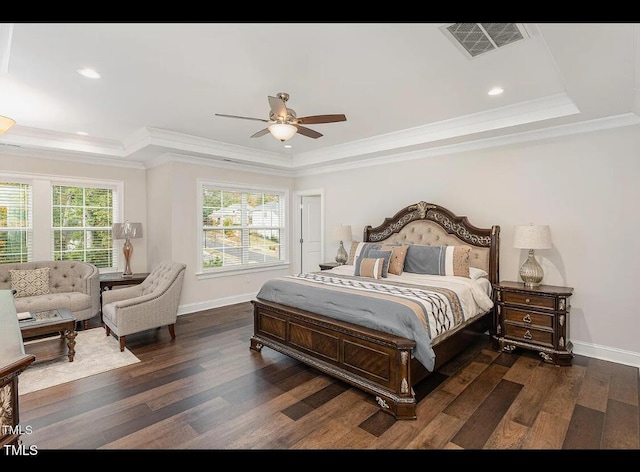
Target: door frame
point(297, 223)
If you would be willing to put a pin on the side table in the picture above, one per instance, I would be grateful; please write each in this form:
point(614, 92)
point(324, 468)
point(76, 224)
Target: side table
point(328, 265)
point(534, 318)
point(113, 279)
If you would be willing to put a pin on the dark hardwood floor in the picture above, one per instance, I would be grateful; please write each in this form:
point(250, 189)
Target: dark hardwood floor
point(207, 390)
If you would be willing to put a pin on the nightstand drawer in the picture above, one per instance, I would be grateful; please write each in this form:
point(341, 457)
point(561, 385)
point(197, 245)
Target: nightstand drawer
point(528, 317)
point(531, 335)
point(528, 299)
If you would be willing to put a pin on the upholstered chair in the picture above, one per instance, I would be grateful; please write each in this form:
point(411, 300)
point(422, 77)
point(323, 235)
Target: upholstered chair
point(151, 304)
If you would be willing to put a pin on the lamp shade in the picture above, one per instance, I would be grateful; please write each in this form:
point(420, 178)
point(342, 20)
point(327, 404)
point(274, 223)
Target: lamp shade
point(532, 237)
point(282, 131)
point(5, 124)
point(126, 230)
point(342, 233)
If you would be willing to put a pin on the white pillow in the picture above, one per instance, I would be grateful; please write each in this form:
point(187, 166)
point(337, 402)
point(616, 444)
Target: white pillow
point(475, 273)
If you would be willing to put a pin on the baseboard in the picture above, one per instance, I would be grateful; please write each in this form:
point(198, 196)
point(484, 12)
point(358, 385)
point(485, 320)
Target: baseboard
point(217, 303)
point(606, 353)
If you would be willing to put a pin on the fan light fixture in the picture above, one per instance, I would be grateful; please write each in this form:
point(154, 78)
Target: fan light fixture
point(5, 124)
point(282, 131)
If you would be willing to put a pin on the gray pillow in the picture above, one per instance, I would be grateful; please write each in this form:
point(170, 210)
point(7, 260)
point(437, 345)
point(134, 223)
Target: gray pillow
point(438, 260)
point(425, 259)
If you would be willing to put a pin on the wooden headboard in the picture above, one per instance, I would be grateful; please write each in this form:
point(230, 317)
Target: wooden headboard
point(430, 224)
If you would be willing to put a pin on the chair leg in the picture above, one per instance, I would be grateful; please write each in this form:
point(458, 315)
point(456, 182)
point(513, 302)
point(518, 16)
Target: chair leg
point(121, 343)
point(172, 331)
point(107, 329)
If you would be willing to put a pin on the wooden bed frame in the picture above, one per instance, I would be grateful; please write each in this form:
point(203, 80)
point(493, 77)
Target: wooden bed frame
point(377, 362)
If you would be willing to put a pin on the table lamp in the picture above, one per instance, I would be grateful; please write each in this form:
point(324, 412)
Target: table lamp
point(127, 231)
point(531, 237)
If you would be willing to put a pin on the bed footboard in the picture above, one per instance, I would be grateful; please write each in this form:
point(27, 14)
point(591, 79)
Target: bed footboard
point(375, 362)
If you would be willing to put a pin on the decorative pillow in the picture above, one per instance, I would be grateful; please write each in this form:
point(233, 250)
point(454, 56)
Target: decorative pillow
point(438, 260)
point(398, 255)
point(360, 249)
point(475, 273)
point(370, 267)
point(369, 253)
point(352, 252)
point(30, 282)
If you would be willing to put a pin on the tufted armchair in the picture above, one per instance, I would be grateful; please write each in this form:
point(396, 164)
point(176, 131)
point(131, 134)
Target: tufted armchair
point(151, 304)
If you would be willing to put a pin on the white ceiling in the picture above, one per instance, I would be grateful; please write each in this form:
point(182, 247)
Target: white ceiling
point(404, 87)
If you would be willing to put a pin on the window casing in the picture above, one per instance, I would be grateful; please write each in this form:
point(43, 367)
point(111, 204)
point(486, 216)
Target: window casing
point(16, 222)
point(241, 228)
point(59, 218)
point(81, 224)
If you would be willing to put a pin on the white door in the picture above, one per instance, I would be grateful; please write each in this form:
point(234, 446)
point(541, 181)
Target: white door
point(311, 233)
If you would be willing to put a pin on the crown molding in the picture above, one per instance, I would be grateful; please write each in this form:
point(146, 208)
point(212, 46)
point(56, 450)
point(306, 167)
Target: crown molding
point(150, 147)
point(627, 119)
point(82, 158)
point(147, 143)
point(221, 164)
point(554, 106)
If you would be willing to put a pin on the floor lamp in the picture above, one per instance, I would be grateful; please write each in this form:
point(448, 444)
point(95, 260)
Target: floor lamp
point(127, 231)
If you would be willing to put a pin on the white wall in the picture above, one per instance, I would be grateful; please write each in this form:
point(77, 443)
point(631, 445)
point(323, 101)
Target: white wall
point(179, 180)
point(584, 186)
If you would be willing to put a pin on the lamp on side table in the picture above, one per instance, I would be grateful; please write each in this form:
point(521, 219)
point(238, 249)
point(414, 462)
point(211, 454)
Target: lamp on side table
point(127, 231)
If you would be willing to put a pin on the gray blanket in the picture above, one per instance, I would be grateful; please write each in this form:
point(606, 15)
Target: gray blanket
point(404, 310)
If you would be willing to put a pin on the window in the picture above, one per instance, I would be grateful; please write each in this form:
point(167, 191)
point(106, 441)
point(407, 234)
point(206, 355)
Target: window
point(44, 218)
point(81, 224)
point(16, 232)
point(242, 227)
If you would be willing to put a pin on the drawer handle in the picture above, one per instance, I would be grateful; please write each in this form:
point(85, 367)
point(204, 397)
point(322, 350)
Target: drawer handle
point(527, 300)
point(527, 318)
point(527, 335)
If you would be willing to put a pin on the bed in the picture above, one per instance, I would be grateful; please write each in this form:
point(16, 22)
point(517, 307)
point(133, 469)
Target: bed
point(385, 331)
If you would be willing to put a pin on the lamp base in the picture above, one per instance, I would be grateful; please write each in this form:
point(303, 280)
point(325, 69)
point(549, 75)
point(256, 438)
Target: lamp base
point(342, 256)
point(127, 249)
point(531, 271)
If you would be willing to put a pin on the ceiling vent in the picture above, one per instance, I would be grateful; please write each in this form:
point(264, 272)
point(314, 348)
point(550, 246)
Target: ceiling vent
point(474, 39)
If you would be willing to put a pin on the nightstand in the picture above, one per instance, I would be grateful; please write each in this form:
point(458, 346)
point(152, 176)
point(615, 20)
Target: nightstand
point(328, 265)
point(534, 318)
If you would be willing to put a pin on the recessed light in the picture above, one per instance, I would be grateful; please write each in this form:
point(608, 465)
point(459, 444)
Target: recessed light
point(82, 133)
point(496, 91)
point(89, 73)
point(288, 146)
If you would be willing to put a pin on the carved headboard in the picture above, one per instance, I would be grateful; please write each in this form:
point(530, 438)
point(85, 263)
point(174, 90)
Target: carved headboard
point(430, 224)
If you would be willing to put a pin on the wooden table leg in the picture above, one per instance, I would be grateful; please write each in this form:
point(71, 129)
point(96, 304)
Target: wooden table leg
point(71, 343)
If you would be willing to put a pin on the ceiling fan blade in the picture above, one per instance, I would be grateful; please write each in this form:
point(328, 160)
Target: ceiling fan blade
point(242, 117)
point(308, 132)
point(278, 108)
point(260, 133)
point(317, 119)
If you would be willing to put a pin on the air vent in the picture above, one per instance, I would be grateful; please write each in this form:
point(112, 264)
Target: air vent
point(475, 39)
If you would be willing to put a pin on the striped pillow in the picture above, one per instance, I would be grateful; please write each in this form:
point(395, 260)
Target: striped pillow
point(370, 267)
point(352, 252)
point(438, 260)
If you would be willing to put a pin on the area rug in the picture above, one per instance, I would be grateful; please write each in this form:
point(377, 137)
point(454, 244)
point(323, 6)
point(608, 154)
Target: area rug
point(95, 353)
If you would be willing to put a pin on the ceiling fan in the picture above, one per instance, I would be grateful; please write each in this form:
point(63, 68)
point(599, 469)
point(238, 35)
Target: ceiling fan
point(284, 123)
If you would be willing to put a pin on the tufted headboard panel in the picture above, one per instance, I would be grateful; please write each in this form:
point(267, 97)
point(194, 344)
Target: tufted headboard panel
point(430, 224)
